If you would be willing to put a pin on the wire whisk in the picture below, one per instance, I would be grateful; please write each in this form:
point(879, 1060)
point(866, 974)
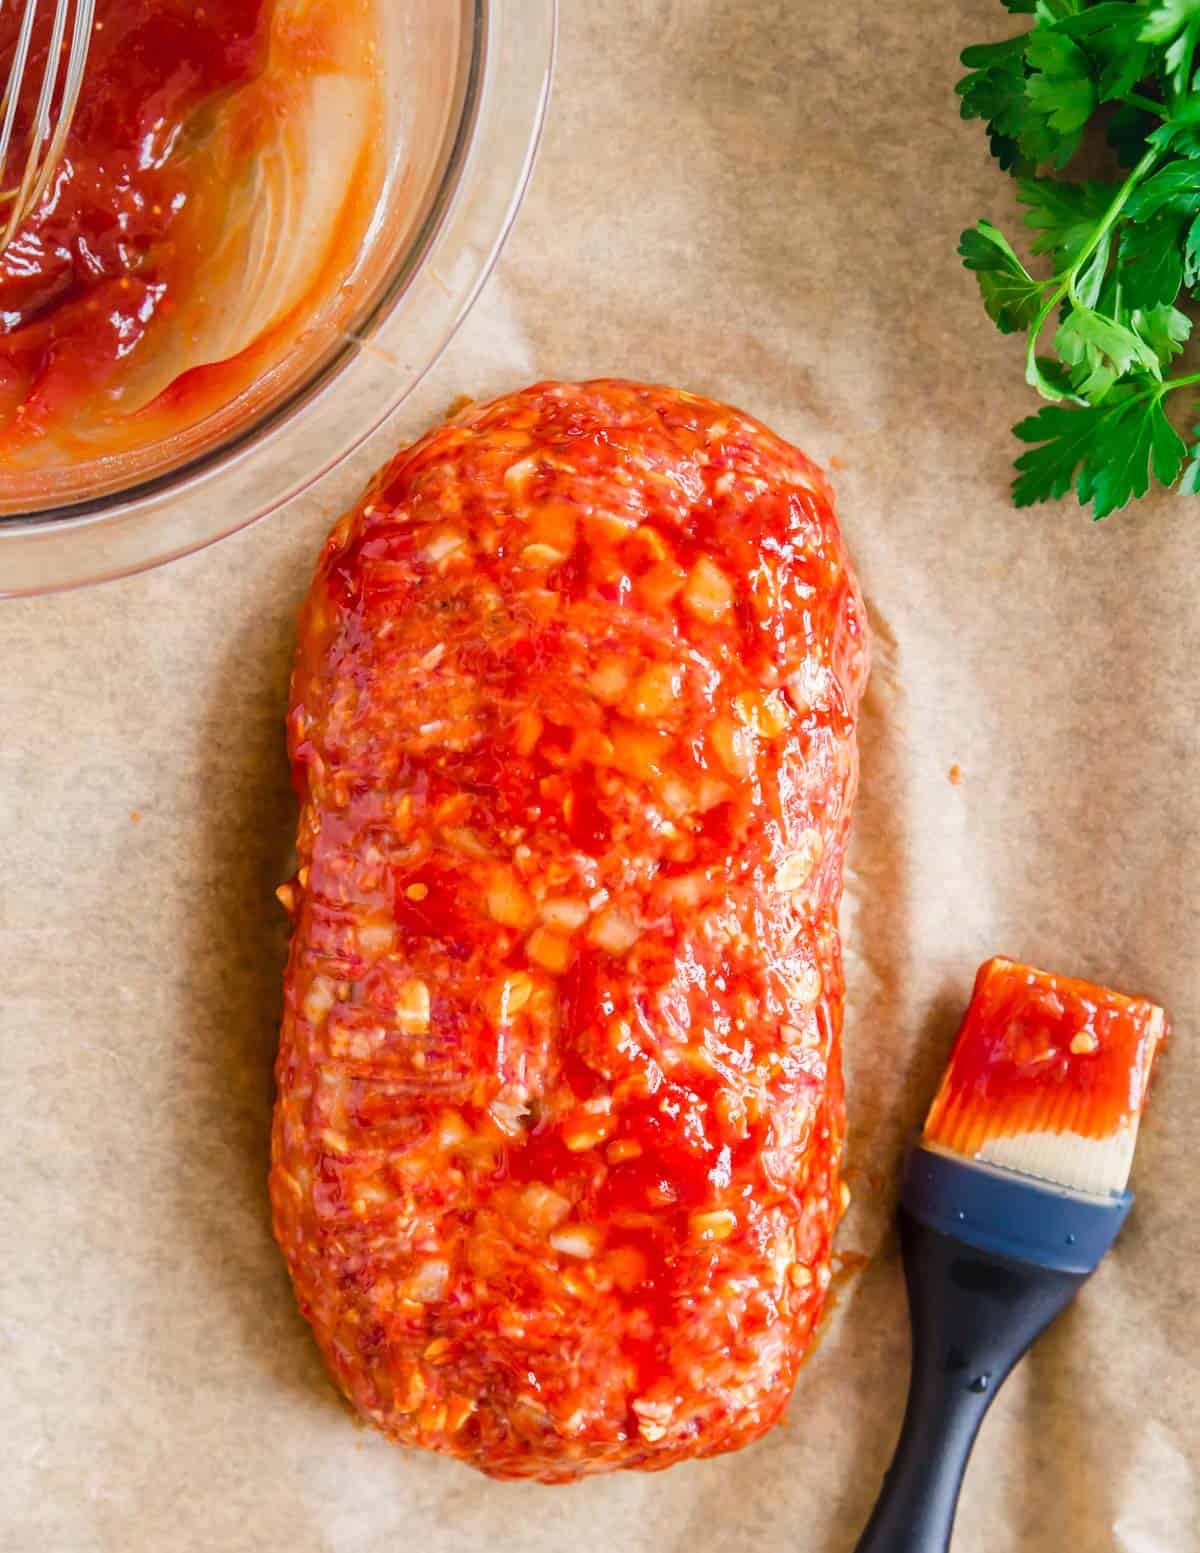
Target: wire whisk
point(57, 97)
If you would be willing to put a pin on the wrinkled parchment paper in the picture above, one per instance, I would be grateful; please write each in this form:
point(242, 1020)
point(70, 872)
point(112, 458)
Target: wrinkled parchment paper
point(761, 202)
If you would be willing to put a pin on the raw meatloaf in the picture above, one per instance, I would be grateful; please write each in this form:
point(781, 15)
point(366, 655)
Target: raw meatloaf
point(555, 1155)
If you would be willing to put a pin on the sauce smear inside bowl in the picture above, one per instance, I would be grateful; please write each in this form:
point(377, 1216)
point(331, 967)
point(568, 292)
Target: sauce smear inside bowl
point(217, 183)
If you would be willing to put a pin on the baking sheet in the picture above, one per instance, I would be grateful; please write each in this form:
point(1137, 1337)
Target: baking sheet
point(760, 202)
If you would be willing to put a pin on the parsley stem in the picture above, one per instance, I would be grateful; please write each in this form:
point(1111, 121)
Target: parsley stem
point(1066, 286)
point(1147, 105)
point(1184, 381)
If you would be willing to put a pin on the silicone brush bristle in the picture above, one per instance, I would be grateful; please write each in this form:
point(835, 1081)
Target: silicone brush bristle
point(1048, 1077)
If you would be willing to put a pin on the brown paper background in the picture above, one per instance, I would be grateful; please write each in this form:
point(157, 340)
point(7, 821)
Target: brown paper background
point(759, 201)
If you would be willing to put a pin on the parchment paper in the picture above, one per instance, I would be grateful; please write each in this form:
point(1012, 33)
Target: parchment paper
point(761, 202)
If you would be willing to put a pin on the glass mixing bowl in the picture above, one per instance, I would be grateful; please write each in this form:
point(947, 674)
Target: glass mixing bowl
point(466, 85)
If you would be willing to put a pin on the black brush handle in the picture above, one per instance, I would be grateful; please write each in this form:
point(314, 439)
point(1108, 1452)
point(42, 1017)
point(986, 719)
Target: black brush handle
point(974, 1313)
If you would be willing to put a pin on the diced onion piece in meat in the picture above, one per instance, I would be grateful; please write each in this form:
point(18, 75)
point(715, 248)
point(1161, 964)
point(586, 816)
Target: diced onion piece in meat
point(796, 869)
point(584, 1129)
point(686, 891)
point(609, 678)
point(578, 1240)
point(550, 950)
point(766, 713)
point(661, 584)
point(653, 1418)
point(717, 1225)
point(640, 752)
point(734, 746)
point(509, 1114)
point(803, 984)
point(655, 693)
point(543, 556)
point(412, 1007)
point(376, 938)
point(614, 931)
point(528, 731)
point(541, 1209)
point(564, 911)
point(519, 476)
point(507, 996)
point(709, 593)
point(554, 525)
point(430, 1281)
point(452, 1131)
point(319, 999)
point(508, 902)
point(442, 544)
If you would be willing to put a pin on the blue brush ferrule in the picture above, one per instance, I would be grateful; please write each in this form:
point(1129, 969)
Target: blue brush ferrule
point(1008, 1214)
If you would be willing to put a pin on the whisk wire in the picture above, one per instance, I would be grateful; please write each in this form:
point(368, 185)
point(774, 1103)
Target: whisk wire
point(41, 118)
point(12, 90)
point(56, 104)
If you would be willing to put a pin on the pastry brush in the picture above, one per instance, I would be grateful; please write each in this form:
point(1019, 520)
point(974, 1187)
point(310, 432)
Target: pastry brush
point(1010, 1198)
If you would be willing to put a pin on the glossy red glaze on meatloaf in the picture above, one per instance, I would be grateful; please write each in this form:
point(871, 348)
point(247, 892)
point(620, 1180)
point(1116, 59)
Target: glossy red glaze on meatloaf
point(555, 1156)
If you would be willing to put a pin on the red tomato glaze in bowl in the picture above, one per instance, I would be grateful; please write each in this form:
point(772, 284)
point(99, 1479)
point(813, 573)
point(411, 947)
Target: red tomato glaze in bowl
point(146, 289)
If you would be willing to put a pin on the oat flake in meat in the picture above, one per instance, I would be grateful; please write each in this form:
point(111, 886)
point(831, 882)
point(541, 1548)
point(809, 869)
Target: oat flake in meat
point(555, 1155)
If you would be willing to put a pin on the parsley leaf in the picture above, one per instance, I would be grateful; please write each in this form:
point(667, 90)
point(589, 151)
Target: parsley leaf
point(1052, 12)
point(1176, 23)
point(1053, 377)
point(1060, 87)
point(1152, 259)
point(1190, 484)
point(1091, 271)
point(1010, 293)
point(1176, 187)
point(1179, 134)
point(1067, 437)
point(1106, 452)
point(1122, 251)
point(1112, 31)
point(1165, 330)
point(1191, 256)
point(994, 90)
point(1064, 215)
point(1142, 440)
point(1099, 350)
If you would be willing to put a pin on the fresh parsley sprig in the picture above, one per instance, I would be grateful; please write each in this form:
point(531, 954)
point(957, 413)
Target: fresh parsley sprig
point(1102, 329)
